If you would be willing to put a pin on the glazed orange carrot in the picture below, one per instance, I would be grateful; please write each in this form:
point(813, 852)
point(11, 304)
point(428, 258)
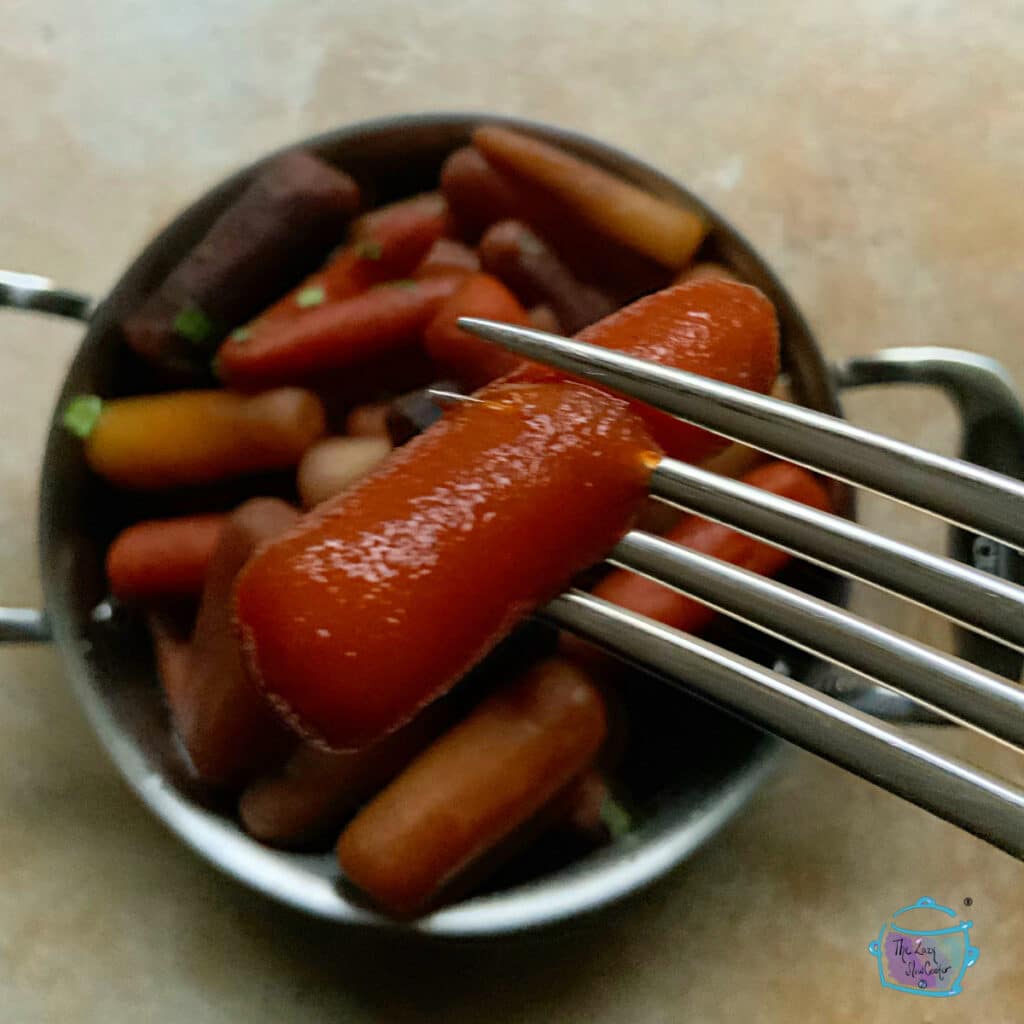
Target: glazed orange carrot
point(482, 517)
point(656, 601)
point(515, 255)
point(473, 362)
point(158, 442)
point(162, 558)
point(481, 195)
point(308, 800)
point(702, 271)
point(473, 787)
point(333, 336)
point(447, 256)
point(227, 727)
point(652, 226)
point(717, 328)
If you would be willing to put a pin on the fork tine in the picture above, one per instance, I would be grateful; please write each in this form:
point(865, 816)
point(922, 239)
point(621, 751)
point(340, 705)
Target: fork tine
point(957, 689)
point(957, 491)
point(976, 599)
point(970, 798)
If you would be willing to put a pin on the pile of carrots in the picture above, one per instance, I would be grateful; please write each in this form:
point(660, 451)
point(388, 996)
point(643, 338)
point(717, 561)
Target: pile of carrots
point(323, 629)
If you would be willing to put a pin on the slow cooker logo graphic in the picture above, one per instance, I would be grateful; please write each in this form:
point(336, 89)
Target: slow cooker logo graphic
point(924, 962)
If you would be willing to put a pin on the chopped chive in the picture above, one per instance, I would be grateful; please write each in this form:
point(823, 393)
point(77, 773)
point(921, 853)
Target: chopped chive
point(81, 414)
point(311, 296)
point(405, 282)
point(240, 334)
point(616, 818)
point(193, 324)
point(369, 249)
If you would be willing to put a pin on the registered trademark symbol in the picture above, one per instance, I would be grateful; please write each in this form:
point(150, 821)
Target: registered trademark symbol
point(968, 901)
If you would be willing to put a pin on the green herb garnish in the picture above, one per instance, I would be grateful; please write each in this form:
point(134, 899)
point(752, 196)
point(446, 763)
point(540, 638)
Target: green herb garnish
point(369, 250)
point(193, 324)
point(405, 282)
point(240, 334)
point(314, 295)
point(616, 818)
point(82, 414)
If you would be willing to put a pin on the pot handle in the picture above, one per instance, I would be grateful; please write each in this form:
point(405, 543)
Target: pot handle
point(40, 294)
point(991, 435)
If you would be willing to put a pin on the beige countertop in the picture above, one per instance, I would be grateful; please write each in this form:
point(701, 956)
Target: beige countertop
point(873, 150)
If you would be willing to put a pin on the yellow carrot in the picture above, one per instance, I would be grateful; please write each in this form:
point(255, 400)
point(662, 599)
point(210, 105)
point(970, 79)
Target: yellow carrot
point(158, 442)
point(658, 229)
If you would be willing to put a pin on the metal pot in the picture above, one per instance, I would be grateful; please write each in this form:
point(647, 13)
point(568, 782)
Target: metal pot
point(700, 765)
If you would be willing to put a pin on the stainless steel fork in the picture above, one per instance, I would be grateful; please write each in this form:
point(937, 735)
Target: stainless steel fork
point(957, 491)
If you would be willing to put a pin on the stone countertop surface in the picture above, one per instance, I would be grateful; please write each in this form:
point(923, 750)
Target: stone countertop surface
point(873, 150)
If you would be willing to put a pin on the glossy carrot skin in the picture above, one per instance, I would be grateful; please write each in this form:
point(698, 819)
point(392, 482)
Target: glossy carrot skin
point(533, 271)
point(229, 730)
point(481, 195)
point(474, 786)
point(180, 439)
point(447, 256)
point(639, 594)
point(716, 328)
point(333, 336)
point(471, 361)
point(481, 518)
point(162, 559)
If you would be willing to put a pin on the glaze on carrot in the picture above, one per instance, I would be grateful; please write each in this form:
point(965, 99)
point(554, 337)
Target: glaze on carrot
point(387, 595)
point(162, 559)
point(474, 786)
point(180, 439)
point(659, 229)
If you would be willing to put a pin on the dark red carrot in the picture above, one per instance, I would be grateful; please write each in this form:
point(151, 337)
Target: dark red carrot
point(514, 254)
point(162, 558)
point(333, 336)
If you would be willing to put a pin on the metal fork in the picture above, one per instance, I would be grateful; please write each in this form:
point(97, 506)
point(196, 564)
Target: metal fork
point(952, 489)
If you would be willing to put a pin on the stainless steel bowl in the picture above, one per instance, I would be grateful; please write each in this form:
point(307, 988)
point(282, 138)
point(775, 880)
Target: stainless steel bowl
point(699, 765)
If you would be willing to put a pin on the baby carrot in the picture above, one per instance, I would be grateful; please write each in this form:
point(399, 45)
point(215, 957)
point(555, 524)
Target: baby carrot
point(652, 226)
point(229, 730)
point(474, 786)
point(544, 318)
point(702, 271)
point(162, 558)
point(158, 442)
point(473, 362)
point(334, 335)
point(515, 255)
